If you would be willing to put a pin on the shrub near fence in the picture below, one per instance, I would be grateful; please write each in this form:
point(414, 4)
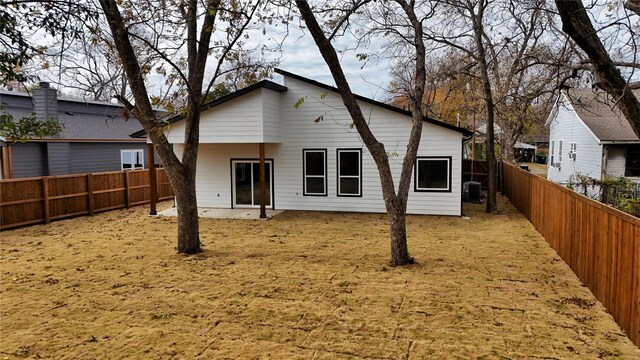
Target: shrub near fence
point(600, 244)
point(43, 199)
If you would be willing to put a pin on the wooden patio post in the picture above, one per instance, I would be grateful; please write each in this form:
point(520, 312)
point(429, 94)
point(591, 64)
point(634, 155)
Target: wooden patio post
point(153, 181)
point(263, 211)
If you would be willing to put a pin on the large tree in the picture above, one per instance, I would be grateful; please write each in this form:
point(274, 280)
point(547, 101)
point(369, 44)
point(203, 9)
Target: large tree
point(577, 24)
point(181, 33)
point(464, 28)
point(411, 30)
point(23, 21)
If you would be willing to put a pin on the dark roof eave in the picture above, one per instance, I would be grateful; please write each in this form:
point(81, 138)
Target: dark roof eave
point(464, 131)
point(619, 142)
point(267, 84)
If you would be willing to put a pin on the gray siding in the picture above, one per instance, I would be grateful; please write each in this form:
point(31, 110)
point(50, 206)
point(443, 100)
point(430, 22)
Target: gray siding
point(29, 159)
point(98, 157)
point(58, 157)
point(43, 159)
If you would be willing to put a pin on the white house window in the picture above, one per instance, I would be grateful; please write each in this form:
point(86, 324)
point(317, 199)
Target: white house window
point(433, 174)
point(349, 172)
point(573, 151)
point(553, 153)
point(315, 172)
point(560, 150)
point(132, 159)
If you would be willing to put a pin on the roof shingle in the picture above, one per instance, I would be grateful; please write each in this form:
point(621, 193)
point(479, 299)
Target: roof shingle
point(599, 113)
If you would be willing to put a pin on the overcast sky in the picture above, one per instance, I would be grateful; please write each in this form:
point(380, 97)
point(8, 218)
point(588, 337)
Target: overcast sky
point(301, 56)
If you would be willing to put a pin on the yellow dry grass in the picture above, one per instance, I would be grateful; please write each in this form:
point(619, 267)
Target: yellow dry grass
point(303, 285)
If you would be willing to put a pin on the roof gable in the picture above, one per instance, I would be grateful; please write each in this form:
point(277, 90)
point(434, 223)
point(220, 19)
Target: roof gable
point(376, 103)
point(598, 112)
point(280, 88)
point(267, 84)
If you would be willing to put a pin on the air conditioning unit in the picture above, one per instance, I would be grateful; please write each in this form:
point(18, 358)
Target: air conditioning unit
point(471, 191)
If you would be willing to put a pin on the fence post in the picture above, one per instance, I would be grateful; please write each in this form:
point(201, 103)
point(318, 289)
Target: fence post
point(90, 193)
point(45, 199)
point(126, 189)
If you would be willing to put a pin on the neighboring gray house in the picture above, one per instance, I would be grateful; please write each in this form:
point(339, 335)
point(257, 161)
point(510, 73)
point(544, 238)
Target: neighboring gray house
point(590, 136)
point(95, 137)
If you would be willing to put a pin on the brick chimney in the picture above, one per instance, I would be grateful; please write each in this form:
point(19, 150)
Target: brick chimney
point(45, 102)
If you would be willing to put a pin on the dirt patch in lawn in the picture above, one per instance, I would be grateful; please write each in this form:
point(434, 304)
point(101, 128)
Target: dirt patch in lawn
point(306, 285)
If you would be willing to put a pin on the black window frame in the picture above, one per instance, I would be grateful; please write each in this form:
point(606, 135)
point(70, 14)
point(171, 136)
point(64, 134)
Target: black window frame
point(338, 176)
point(304, 173)
point(427, 158)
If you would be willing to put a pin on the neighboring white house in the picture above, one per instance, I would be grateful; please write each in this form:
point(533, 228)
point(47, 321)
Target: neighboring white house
point(315, 159)
point(590, 136)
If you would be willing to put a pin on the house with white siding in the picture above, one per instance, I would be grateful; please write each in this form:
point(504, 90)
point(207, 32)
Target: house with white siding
point(314, 158)
point(590, 136)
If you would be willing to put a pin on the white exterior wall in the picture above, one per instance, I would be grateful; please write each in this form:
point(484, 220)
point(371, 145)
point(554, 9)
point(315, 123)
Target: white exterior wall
point(239, 120)
point(271, 112)
point(567, 126)
point(298, 131)
point(213, 173)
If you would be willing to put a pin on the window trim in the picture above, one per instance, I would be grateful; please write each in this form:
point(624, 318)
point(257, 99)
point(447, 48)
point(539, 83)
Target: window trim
point(338, 176)
point(304, 173)
point(132, 151)
point(449, 174)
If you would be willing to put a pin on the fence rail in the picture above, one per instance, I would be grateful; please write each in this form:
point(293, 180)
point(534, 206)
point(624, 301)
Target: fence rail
point(600, 244)
point(44, 199)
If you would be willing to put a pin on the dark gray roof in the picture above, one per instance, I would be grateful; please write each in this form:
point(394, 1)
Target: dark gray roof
point(81, 119)
point(597, 111)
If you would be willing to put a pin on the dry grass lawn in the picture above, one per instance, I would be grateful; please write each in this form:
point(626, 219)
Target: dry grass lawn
point(303, 285)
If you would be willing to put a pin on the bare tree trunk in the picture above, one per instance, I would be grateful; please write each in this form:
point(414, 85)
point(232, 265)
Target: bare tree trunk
point(633, 5)
point(477, 19)
point(395, 203)
point(188, 232)
point(397, 215)
point(181, 175)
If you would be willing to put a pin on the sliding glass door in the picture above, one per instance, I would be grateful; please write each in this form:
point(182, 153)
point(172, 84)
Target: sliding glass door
point(246, 183)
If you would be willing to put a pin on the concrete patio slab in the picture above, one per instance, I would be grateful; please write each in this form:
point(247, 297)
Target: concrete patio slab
point(217, 213)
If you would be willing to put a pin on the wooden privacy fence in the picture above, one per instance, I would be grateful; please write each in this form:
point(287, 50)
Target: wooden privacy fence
point(478, 170)
point(600, 244)
point(43, 199)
